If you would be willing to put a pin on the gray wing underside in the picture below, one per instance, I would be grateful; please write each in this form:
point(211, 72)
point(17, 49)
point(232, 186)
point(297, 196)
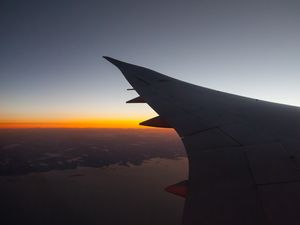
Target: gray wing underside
point(243, 153)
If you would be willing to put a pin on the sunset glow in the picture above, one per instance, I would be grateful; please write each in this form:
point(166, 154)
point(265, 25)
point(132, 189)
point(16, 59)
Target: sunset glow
point(75, 123)
point(52, 73)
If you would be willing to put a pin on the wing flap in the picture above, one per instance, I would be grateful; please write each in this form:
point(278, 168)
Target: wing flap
point(271, 164)
point(221, 189)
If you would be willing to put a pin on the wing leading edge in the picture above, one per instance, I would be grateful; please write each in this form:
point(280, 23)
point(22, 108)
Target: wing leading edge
point(243, 153)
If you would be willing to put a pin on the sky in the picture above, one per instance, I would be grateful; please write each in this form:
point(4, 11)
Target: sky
point(52, 72)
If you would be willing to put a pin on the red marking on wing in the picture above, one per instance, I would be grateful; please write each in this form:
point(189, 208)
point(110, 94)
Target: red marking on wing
point(179, 189)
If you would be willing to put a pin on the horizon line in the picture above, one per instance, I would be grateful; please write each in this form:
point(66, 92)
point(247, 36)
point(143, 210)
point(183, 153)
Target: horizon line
point(75, 123)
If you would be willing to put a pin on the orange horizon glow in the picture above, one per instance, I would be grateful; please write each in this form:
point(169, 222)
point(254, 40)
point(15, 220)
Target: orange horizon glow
point(76, 123)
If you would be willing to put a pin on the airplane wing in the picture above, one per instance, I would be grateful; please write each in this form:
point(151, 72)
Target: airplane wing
point(244, 154)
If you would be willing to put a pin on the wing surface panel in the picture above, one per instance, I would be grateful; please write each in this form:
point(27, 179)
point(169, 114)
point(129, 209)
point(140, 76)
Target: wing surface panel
point(243, 153)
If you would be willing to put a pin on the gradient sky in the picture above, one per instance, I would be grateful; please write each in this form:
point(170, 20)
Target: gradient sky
point(51, 68)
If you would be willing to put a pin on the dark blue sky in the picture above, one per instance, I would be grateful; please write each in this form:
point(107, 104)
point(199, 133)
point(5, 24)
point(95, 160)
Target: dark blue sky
point(51, 65)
